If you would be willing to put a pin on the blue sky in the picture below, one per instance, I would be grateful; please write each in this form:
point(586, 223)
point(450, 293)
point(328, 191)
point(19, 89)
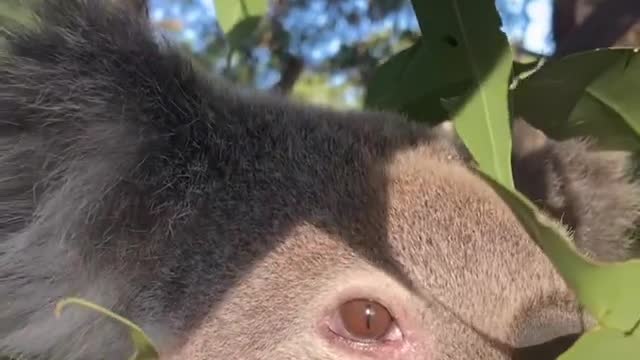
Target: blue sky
point(526, 21)
point(319, 33)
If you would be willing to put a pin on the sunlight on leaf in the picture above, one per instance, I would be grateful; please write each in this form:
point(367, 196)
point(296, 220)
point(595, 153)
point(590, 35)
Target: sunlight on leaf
point(461, 53)
point(16, 12)
point(602, 343)
point(483, 122)
point(231, 12)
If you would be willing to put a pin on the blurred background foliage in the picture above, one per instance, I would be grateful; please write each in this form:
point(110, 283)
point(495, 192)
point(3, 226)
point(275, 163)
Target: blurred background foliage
point(324, 51)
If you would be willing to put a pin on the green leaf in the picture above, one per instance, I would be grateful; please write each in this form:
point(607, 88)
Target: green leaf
point(408, 82)
point(603, 343)
point(231, 12)
point(242, 31)
point(610, 291)
point(143, 347)
point(585, 94)
point(462, 52)
point(414, 80)
point(15, 12)
point(483, 122)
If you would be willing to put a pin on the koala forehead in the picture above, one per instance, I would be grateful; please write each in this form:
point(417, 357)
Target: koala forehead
point(445, 221)
point(443, 233)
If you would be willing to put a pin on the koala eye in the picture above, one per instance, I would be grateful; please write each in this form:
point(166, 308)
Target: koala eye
point(364, 321)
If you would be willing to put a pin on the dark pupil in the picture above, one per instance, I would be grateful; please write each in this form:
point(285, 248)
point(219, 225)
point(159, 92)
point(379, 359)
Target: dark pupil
point(365, 319)
point(369, 313)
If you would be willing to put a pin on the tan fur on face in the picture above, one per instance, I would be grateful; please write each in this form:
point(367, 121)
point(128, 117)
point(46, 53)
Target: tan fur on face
point(234, 222)
point(447, 233)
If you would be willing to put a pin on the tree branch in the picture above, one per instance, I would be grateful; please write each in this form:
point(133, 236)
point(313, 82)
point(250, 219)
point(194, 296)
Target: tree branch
point(291, 72)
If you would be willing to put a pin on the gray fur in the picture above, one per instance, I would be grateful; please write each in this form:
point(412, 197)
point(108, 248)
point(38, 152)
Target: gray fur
point(591, 191)
point(188, 206)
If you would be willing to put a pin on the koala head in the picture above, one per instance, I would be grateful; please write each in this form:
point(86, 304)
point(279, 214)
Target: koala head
point(232, 224)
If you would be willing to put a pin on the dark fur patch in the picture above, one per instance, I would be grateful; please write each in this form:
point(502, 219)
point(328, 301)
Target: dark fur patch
point(132, 180)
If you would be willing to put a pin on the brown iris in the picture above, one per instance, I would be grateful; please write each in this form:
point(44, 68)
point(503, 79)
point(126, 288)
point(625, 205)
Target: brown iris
point(365, 319)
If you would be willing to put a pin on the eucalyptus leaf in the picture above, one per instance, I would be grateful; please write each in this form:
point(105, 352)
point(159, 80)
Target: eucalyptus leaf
point(608, 291)
point(467, 57)
point(603, 343)
point(483, 121)
point(585, 94)
point(242, 31)
point(14, 12)
point(143, 347)
point(414, 80)
point(230, 12)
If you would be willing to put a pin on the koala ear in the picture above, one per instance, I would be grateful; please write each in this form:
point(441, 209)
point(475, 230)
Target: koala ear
point(592, 192)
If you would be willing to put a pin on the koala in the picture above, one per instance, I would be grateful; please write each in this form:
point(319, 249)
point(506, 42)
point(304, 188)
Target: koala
point(234, 224)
